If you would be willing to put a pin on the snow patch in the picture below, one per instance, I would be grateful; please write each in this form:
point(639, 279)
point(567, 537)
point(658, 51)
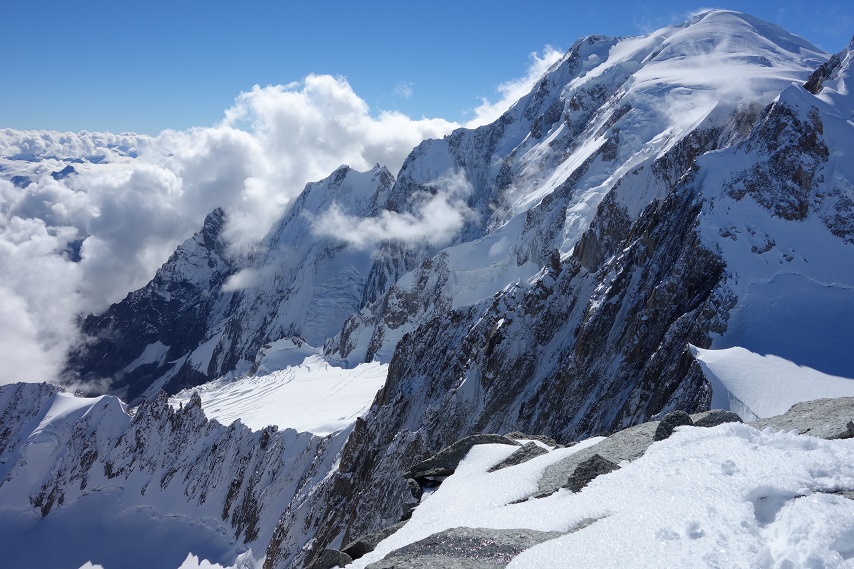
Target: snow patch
point(758, 386)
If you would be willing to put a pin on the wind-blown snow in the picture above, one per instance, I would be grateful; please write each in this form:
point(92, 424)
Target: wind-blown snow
point(729, 496)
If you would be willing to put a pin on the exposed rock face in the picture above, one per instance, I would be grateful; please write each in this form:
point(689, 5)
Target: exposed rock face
point(465, 548)
point(130, 344)
point(192, 323)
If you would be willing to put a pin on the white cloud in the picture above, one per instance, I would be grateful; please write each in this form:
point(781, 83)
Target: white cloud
point(437, 217)
point(513, 90)
point(38, 293)
point(145, 195)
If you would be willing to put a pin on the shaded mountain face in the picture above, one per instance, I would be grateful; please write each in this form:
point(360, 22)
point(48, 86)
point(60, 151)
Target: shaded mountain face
point(208, 311)
point(690, 187)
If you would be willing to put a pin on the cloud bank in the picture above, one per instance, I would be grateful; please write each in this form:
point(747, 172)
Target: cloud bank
point(73, 244)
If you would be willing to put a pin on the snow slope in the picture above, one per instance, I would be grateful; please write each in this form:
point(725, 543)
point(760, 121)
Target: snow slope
point(143, 490)
point(729, 496)
point(307, 395)
point(596, 123)
point(758, 386)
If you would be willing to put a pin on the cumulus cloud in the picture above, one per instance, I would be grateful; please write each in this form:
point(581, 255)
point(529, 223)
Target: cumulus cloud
point(513, 90)
point(38, 294)
point(435, 218)
point(74, 245)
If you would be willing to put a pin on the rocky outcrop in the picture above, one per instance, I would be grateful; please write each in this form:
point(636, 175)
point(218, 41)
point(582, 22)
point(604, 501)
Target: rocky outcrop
point(464, 548)
point(822, 418)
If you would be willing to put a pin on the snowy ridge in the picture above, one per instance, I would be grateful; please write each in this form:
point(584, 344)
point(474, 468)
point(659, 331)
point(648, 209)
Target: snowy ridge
point(597, 121)
point(86, 465)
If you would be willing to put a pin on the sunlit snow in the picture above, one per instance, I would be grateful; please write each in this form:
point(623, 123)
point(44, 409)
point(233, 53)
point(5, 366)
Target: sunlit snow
point(758, 386)
point(729, 496)
point(308, 393)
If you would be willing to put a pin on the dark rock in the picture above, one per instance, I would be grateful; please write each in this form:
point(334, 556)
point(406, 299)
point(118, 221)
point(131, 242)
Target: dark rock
point(367, 543)
point(627, 444)
point(548, 441)
point(408, 508)
point(330, 558)
point(822, 418)
point(445, 462)
point(588, 470)
point(464, 548)
point(524, 454)
point(714, 418)
point(669, 423)
point(415, 488)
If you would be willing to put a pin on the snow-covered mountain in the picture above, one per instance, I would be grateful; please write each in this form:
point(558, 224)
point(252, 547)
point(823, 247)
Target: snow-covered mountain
point(209, 312)
point(657, 215)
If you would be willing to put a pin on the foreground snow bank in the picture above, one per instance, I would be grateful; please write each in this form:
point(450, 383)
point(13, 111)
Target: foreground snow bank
point(728, 496)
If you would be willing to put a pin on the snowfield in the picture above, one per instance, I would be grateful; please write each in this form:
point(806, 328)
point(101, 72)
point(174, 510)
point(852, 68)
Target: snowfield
point(313, 396)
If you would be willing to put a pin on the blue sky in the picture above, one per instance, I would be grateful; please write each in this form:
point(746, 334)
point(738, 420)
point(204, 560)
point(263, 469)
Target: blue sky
point(146, 66)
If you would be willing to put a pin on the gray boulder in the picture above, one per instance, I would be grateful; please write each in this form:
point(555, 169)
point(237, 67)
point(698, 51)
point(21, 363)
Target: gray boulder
point(669, 423)
point(445, 462)
point(714, 418)
point(627, 444)
point(588, 470)
point(822, 418)
point(523, 454)
point(330, 558)
point(464, 548)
